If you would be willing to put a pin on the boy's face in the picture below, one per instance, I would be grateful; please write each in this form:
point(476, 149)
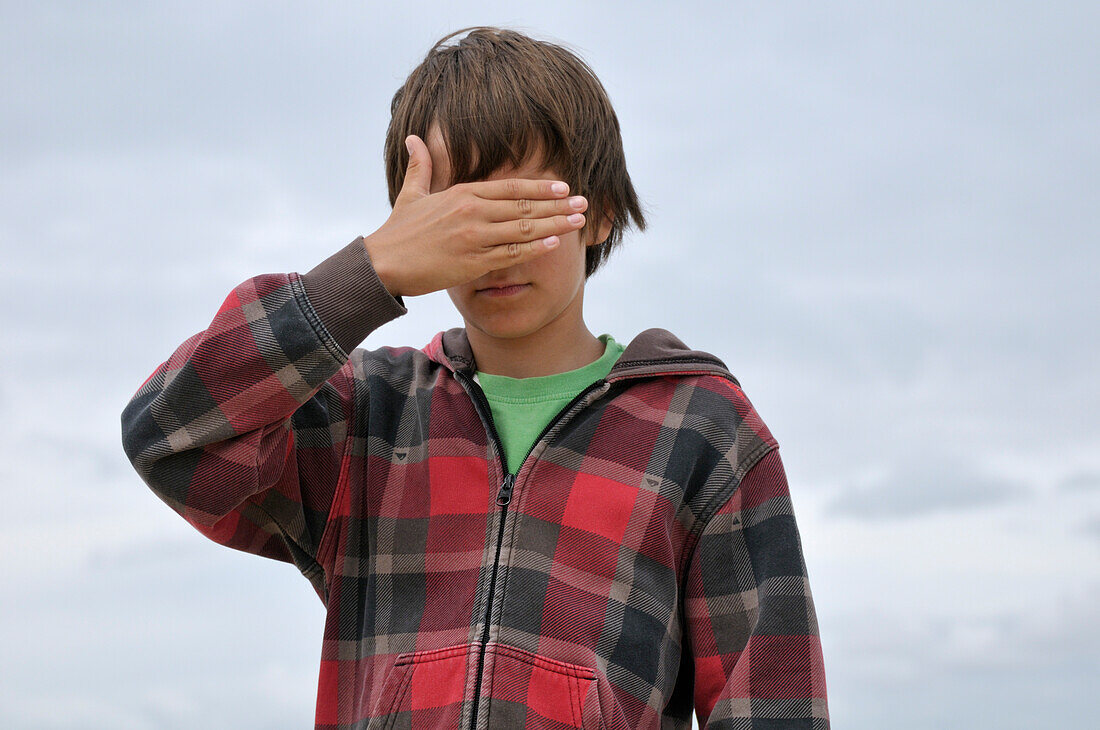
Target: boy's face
point(554, 280)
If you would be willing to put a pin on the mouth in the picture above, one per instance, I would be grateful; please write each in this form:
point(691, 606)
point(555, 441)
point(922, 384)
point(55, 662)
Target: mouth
point(504, 291)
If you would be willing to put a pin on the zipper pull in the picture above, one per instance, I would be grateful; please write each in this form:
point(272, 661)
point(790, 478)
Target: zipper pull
point(504, 496)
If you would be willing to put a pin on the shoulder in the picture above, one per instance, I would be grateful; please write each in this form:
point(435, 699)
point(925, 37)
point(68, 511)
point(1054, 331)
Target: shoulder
point(736, 401)
point(722, 404)
point(404, 366)
point(696, 383)
point(722, 435)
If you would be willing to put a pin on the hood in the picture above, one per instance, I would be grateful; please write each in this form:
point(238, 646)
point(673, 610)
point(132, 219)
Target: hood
point(653, 352)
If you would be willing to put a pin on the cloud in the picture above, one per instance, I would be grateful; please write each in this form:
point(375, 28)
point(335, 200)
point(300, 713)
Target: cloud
point(916, 487)
point(959, 669)
point(1083, 481)
point(1091, 527)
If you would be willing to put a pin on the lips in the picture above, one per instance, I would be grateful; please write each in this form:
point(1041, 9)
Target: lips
point(503, 286)
point(504, 291)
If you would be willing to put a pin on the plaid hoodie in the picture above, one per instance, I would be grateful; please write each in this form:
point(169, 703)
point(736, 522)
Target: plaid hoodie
point(644, 560)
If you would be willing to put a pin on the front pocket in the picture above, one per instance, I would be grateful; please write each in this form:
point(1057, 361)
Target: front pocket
point(425, 685)
point(534, 691)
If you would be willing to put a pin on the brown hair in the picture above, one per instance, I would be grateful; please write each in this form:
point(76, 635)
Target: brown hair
point(498, 96)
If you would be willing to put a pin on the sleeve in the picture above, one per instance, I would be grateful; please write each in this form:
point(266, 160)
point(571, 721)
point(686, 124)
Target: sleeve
point(750, 620)
point(243, 431)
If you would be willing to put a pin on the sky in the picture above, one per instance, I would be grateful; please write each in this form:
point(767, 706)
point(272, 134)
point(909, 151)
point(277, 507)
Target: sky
point(878, 215)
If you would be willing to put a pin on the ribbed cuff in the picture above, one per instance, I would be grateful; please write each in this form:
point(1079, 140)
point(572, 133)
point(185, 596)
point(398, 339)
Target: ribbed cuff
point(349, 297)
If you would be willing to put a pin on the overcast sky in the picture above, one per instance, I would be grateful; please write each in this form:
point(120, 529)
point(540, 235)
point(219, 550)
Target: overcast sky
point(883, 217)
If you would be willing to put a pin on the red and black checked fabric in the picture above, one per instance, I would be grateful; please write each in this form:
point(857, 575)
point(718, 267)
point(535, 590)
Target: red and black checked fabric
point(648, 563)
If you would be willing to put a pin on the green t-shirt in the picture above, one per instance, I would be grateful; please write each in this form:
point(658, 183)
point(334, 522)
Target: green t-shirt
point(523, 406)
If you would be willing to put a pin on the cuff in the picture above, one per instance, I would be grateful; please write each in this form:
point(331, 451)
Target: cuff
point(348, 296)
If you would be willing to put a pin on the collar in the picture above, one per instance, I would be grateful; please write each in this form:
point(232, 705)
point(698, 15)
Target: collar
point(653, 352)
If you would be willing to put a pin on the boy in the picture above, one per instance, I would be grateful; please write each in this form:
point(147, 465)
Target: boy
point(521, 524)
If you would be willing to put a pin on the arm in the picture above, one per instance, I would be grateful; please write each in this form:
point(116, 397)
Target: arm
point(243, 431)
point(750, 618)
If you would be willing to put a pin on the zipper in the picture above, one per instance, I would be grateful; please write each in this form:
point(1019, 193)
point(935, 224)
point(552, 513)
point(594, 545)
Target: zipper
point(504, 493)
point(504, 497)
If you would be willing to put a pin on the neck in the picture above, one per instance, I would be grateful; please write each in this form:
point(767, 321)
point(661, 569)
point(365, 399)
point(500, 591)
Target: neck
point(553, 349)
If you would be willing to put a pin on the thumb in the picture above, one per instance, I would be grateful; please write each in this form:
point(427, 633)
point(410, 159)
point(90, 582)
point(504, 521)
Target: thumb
point(418, 173)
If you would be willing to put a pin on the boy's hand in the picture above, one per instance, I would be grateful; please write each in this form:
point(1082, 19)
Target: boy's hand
point(432, 242)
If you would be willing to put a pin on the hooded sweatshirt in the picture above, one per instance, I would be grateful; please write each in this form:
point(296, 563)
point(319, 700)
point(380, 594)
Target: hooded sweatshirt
point(641, 563)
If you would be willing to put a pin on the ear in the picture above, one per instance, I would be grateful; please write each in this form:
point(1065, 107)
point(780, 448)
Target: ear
point(604, 231)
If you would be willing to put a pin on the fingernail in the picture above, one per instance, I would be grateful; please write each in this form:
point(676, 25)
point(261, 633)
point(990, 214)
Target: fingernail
point(559, 187)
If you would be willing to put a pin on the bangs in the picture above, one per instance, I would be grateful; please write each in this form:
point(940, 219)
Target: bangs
point(489, 116)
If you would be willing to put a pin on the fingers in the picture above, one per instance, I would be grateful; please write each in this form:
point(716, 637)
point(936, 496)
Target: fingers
point(509, 254)
point(531, 229)
point(517, 187)
point(496, 211)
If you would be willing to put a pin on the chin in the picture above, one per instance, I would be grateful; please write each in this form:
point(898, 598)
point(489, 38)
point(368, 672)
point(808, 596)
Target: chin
point(504, 328)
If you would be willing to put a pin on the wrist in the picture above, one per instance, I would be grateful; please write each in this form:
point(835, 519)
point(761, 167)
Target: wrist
point(380, 266)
